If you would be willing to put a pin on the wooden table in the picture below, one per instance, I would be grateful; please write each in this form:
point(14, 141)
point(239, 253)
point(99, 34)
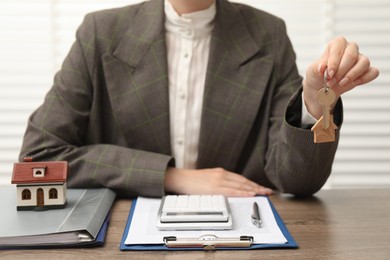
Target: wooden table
point(335, 224)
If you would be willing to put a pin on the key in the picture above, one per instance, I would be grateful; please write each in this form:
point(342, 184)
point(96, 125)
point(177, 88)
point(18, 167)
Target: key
point(325, 133)
point(326, 97)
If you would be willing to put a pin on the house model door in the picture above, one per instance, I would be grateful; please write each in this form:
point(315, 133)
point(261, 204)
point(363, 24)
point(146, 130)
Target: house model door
point(40, 198)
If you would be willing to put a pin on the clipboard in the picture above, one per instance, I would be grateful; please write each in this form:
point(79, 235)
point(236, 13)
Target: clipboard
point(291, 243)
point(208, 242)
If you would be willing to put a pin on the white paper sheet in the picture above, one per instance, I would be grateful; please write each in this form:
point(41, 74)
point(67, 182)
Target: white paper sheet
point(143, 228)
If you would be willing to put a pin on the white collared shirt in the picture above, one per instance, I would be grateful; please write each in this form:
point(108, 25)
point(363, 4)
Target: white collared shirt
point(188, 45)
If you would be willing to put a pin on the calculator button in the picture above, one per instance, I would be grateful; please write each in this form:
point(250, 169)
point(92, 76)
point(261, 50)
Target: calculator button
point(193, 202)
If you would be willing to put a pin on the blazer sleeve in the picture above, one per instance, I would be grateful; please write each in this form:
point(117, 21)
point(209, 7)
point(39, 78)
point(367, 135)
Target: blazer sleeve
point(58, 130)
point(294, 163)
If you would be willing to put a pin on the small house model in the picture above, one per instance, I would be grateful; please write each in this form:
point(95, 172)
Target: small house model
point(40, 185)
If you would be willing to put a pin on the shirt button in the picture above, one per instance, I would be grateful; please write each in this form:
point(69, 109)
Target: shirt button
point(186, 55)
point(182, 95)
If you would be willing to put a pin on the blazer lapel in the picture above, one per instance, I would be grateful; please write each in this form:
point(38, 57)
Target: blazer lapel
point(237, 77)
point(137, 81)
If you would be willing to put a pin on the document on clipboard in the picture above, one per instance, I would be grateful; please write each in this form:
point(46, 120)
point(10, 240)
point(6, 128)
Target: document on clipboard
point(141, 231)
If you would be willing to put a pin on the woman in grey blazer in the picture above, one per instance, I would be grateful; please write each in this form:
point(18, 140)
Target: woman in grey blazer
point(108, 112)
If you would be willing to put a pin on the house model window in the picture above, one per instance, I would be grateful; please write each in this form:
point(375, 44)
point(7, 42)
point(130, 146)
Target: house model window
point(26, 194)
point(53, 193)
point(39, 172)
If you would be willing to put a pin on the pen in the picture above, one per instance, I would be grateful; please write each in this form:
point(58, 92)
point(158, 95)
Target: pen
point(255, 218)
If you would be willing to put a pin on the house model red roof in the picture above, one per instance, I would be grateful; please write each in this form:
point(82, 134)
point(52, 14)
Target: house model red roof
point(53, 172)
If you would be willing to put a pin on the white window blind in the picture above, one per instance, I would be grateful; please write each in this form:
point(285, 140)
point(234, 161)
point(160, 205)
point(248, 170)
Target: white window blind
point(364, 155)
point(25, 66)
point(37, 35)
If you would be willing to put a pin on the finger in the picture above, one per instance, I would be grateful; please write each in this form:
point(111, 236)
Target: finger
point(260, 190)
point(247, 186)
point(359, 69)
point(349, 59)
point(239, 181)
point(241, 193)
point(225, 191)
point(235, 181)
point(238, 185)
point(334, 55)
point(265, 191)
point(371, 74)
point(230, 192)
point(231, 176)
point(319, 68)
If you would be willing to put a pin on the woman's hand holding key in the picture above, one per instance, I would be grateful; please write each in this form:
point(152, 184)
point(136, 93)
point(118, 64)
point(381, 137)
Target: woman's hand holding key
point(346, 67)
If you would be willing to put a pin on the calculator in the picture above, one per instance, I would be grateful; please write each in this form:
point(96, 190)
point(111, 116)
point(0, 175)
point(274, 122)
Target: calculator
point(194, 212)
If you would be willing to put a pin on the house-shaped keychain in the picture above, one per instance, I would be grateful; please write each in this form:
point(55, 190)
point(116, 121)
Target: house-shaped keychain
point(40, 185)
point(322, 135)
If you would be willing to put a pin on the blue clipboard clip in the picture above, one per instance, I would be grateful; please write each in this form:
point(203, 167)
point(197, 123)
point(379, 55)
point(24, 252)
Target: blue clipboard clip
point(208, 242)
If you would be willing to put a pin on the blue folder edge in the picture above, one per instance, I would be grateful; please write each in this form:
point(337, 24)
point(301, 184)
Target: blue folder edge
point(159, 247)
point(98, 241)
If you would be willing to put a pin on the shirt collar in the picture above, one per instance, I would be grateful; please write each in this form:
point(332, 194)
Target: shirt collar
point(189, 25)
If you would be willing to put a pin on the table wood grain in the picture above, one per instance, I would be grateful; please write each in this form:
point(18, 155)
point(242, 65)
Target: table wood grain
point(334, 224)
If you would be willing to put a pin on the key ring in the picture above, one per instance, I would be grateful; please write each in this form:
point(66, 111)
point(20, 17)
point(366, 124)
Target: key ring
point(325, 81)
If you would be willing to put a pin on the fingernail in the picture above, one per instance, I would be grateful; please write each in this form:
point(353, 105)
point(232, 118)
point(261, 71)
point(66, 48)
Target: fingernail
point(251, 193)
point(330, 74)
point(265, 191)
point(319, 68)
point(344, 82)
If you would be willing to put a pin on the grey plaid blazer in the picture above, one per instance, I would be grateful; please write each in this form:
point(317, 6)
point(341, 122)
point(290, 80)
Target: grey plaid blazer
point(107, 113)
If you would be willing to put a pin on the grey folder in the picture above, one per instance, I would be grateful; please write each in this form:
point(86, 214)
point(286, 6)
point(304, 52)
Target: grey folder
point(80, 221)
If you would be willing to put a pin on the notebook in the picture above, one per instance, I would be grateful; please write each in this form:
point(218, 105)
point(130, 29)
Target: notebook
point(83, 221)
